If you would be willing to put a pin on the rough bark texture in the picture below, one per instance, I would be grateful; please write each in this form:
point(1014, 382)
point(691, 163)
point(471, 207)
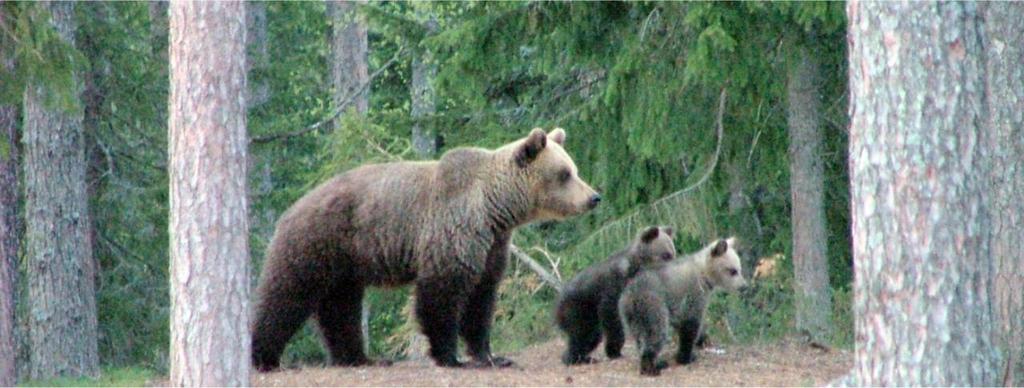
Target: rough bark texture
point(9, 228)
point(424, 70)
point(1003, 43)
point(210, 344)
point(349, 68)
point(806, 184)
point(925, 273)
point(61, 272)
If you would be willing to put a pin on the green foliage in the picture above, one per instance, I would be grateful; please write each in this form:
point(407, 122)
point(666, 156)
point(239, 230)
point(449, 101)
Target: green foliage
point(110, 377)
point(44, 59)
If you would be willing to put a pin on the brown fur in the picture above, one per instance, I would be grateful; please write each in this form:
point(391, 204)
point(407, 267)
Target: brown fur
point(444, 225)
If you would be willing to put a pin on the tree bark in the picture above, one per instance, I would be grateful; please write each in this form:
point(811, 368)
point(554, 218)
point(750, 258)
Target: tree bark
point(62, 297)
point(806, 185)
point(1003, 43)
point(424, 70)
point(209, 230)
point(921, 179)
point(349, 48)
point(9, 227)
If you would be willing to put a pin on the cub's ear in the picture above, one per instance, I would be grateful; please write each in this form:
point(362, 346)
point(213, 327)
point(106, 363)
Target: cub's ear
point(557, 135)
point(531, 147)
point(668, 230)
point(720, 248)
point(649, 234)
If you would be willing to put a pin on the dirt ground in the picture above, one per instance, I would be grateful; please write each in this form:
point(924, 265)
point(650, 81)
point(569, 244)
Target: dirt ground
point(785, 363)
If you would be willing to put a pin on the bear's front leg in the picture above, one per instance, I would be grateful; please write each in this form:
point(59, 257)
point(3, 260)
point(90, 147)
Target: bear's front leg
point(439, 302)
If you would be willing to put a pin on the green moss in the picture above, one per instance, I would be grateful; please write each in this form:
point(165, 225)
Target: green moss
point(112, 377)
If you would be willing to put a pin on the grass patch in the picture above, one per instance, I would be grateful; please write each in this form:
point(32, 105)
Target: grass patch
point(110, 377)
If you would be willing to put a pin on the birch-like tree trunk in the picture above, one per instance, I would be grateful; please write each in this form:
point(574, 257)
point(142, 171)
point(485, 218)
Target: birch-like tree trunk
point(61, 272)
point(9, 227)
point(806, 185)
point(210, 342)
point(926, 165)
point(1002, 37)
point(349, 50)
point(424, 70)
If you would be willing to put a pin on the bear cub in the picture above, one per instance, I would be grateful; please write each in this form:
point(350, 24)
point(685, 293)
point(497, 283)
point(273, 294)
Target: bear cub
point(588, 304)
point(676, 294)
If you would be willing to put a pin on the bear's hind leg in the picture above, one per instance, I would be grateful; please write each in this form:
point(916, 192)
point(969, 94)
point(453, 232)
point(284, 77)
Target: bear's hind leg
point(339, 316)
point(614, 334)
point(688, 331)
point(278, 316)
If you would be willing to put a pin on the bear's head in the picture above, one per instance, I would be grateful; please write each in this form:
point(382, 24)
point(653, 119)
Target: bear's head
point(653, 245)
point(554, 189)
point(723, 268)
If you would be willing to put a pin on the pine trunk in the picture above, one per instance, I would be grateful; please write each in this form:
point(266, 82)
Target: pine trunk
point(210, 342)
point(1003, 43)
point(424, 70)
point(921, 177)
point(349, 49)
point(9, 235)
point(806, 184)
point(61, 272)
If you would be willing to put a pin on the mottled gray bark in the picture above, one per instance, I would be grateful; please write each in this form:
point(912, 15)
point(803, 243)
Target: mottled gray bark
point(349, 49)
point(61, 272)
point(209, 231)
point(922, 176)
point(424, 70)
point(1002, 37)
point(9, 228)
point(806, 185)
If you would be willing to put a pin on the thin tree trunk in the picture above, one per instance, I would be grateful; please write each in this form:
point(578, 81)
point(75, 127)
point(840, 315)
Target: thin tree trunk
point(158, 28)
point(349, 49)
point(256, 42)
point(209, 231)
point(424, 70)
point(62, 298)
point(1003, 41)
point(9, 228)
point(349, 71)
point(924, 266)
point(806, 185)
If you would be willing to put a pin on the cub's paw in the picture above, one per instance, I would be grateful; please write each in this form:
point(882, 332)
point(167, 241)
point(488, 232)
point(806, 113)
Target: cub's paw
point(685, 358)
point(490, 362)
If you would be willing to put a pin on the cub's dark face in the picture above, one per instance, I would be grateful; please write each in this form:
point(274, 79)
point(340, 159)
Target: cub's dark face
point(556, 190)
point(655, 245)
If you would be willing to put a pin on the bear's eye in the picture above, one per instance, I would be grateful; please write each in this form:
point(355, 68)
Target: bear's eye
point(564, 175)
point(733, 272)
point(666, 256)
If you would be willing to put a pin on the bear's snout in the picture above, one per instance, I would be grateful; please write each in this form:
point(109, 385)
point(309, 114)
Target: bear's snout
point(593, 201)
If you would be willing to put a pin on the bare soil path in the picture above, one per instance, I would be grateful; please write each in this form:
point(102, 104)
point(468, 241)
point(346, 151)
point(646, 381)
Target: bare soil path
point(784, 363)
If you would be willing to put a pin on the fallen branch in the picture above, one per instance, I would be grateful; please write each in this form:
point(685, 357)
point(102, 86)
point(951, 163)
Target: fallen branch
point(536, 267)
point(338, 110)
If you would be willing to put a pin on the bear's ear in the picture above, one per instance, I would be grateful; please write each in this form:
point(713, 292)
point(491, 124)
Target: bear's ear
point(557, 135)
point(668, 230)
point(720, 248)
point(649, 235)
point(531, 147)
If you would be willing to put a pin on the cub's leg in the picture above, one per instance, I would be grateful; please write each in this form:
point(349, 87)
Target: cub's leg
point(688, 332)
point(646, 318)
point(580, 322)
point(611, 322)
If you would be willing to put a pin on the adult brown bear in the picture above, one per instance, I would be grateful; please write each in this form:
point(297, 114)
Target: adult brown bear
point(445, 225)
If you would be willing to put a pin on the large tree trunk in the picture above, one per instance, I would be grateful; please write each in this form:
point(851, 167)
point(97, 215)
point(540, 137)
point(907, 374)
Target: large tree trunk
point(210, 343)
point(62, 298)
point(424, 70)
point(922, 180)
point(349, 48)
point(1003, 42)
point(9, 236)
point(806, 185)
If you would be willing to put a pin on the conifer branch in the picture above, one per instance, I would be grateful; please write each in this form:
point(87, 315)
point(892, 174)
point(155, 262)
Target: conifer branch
point(337, 110)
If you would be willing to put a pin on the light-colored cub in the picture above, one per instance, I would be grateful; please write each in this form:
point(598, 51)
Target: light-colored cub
point(676, 295)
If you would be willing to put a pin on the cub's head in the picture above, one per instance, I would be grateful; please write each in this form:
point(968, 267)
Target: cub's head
point(653, 245)
point(723, 265)
point(555, 190)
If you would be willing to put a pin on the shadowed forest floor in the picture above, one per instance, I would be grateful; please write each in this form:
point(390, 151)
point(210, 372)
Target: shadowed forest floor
point(784, 363)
